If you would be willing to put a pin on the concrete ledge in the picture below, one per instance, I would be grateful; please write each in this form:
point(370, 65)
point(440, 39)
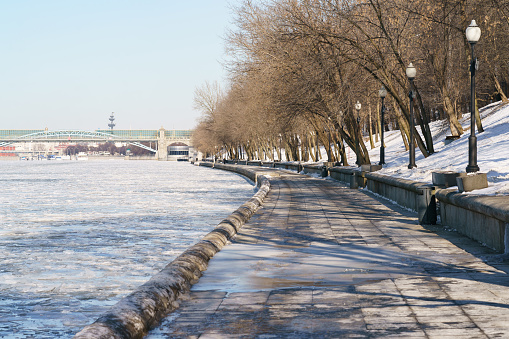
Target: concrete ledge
point(343, 174)
point(135, 314)
point(358, 180)
point(471, 182)
point(493, 206)
point(370, 168)
point(483, 218)
point(267, 164)
point(289, 166)
point(417, 196)
point(316, 169)
point(206, 164)
point(446, 178)
point(409, 185)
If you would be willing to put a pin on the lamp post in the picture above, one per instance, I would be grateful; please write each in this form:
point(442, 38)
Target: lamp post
point(358, 108)
point(410, 73)
point(382, 92)
point(473, 34)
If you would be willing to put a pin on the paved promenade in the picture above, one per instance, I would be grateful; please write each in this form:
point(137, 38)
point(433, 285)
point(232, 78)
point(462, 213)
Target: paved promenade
point(320, 260)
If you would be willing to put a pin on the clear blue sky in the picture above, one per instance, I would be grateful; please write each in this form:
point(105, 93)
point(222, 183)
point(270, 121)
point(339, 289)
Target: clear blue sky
point(69, 64)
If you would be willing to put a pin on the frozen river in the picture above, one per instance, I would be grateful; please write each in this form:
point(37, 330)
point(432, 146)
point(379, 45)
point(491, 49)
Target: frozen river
point(76, 236)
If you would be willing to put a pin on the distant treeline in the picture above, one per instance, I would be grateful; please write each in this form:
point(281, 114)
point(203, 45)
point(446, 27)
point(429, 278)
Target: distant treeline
point(108, 147)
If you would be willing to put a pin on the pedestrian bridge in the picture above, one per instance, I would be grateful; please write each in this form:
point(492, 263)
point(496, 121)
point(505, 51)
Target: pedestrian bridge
point(161, 137)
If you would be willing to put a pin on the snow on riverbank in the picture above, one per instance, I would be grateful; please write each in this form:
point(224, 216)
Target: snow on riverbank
point(492, 151)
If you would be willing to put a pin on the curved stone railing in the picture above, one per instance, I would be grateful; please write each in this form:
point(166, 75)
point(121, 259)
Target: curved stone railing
point(484, 218)
point(414, 195)
point(137, 313)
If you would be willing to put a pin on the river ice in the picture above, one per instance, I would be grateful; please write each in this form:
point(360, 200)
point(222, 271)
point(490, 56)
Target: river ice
point(77, 236)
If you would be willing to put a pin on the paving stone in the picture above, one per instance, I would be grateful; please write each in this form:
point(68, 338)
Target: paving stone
point(323, 261)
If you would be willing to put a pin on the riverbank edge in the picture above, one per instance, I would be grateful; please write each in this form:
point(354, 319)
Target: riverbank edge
point(134, 315)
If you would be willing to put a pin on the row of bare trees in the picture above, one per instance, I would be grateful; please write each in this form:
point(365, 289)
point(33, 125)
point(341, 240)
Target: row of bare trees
point(297, 67)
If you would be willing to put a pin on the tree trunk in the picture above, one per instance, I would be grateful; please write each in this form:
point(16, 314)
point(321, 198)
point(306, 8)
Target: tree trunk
point(311, 147)
point(454, 124)
point(424, 124)
point(371, 143)
point(270, 149)
point(324, 137)
point(478, 121)
point(342, 152)
point(403, 125)
point(288, 153)
point(377, 124)
point(499, 90)
point(279, 150)
point(317, 149)
point(405, 140)
point(361, 152)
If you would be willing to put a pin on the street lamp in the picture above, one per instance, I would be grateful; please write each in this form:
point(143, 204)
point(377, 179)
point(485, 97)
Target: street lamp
point(473, 34)
point(358, 108)
point(410, 73)
point(382, 92)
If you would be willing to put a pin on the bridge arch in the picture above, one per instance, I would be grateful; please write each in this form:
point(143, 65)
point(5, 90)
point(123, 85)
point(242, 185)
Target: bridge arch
point(75, 135)
point(178, 150)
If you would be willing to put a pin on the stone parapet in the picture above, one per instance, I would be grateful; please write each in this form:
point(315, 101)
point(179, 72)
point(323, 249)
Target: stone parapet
point(483, 218)
point(289, 166)
point(417, 196)
point(344, 174)
point(315, 169)
point(471, 182)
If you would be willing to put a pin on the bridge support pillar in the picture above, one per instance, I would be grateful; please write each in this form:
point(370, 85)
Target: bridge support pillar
point(162, 146)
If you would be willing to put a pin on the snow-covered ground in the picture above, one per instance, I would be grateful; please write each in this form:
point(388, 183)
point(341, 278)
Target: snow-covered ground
point(492, 151)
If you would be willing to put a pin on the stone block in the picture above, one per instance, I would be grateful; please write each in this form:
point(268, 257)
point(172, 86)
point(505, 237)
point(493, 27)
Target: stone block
point(358, 180)
point(446, 178)
point(370, 168)
point(426, 205)
point(353, 181)
point(472, 182)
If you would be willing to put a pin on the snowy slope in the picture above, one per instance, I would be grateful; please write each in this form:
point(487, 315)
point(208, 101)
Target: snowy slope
point(492, 151)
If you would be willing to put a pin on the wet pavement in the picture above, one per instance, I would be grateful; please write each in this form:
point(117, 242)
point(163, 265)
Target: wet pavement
point(320, 260)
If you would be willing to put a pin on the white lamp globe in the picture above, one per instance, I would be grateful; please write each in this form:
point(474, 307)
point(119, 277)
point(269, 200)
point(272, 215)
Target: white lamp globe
point(411, 71)
point(473, 32)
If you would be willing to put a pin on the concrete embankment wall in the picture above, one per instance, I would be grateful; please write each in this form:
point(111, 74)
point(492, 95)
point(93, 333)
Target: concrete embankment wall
point(417, 196)
point(485, 219)
point(140, 157)
point(482, 218)
point(137, 313)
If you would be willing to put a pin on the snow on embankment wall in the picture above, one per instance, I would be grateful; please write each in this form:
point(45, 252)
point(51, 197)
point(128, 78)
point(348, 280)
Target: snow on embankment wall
point(137, 313)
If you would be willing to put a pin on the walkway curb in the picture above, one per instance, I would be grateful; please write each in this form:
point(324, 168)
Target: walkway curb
point(135, 314)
